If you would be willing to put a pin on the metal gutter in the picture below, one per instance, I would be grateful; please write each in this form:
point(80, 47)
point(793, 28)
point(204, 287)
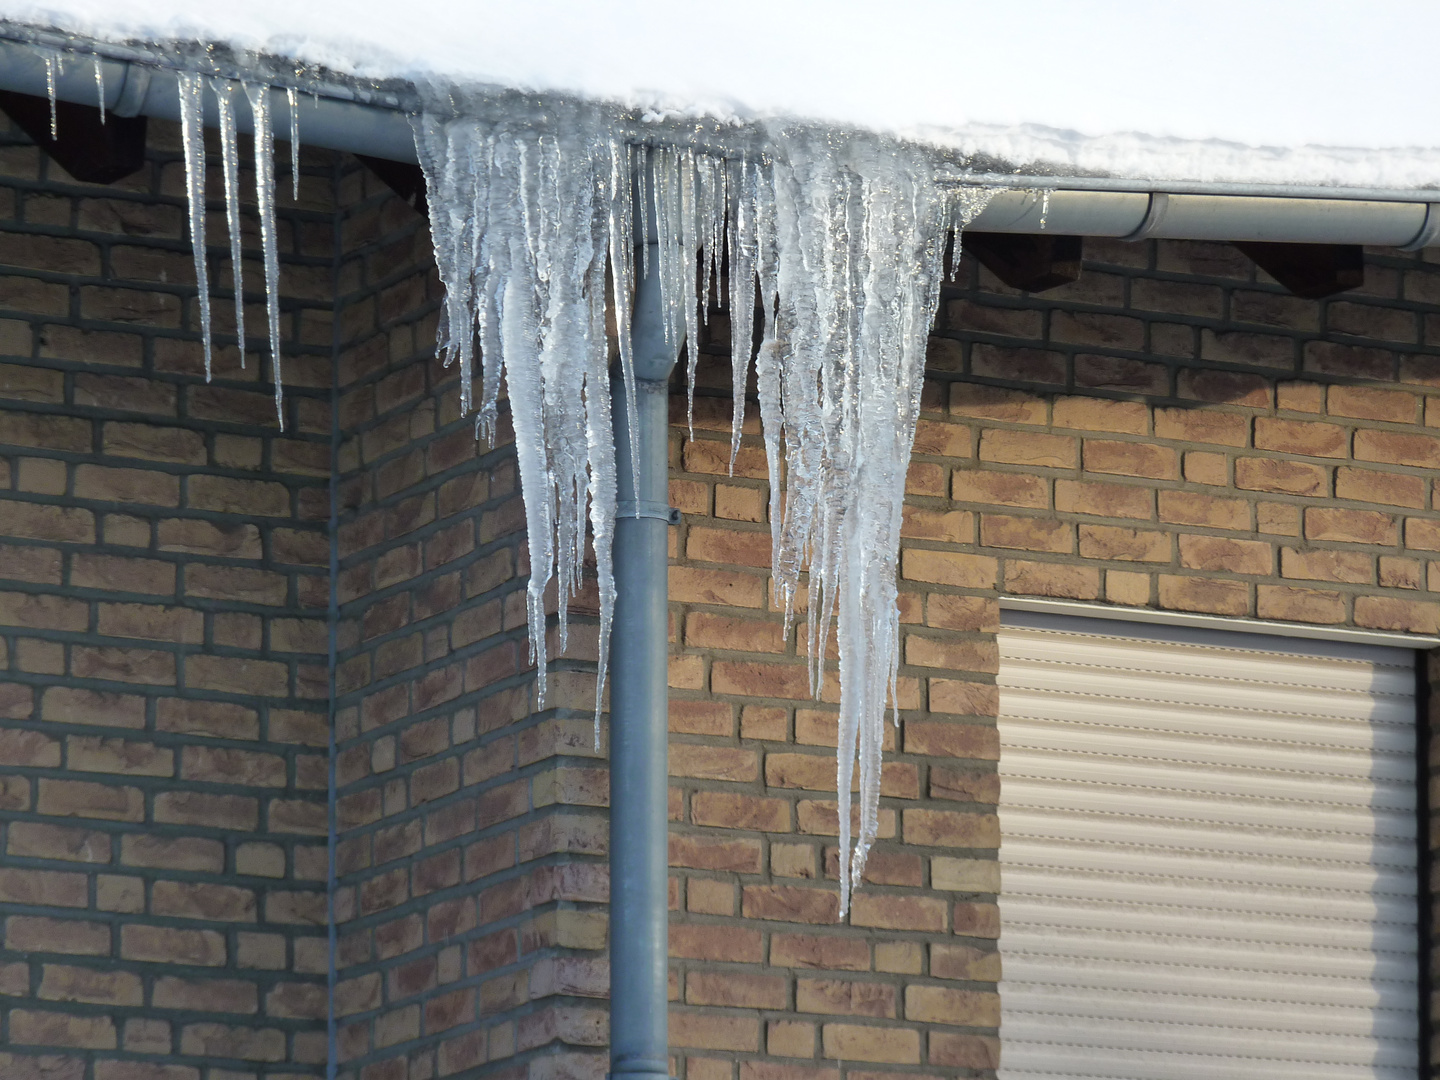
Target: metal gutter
point(339, 116)
point(148, 88)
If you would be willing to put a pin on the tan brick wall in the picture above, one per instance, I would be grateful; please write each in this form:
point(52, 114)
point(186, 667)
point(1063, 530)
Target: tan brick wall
point(1173, 431)
point(470, 877)
point(163, 590)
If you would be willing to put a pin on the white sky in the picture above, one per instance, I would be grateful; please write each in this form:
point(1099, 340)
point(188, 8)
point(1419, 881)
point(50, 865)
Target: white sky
point(1267, 73)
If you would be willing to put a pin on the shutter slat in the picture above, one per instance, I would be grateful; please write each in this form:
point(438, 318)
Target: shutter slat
point(1208, 856)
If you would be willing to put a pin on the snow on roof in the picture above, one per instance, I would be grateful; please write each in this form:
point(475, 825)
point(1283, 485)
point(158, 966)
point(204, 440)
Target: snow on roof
point(1298, 91)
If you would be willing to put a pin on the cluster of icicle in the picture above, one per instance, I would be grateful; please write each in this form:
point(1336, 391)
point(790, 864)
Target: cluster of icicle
point(192, 129)
point(845, 240)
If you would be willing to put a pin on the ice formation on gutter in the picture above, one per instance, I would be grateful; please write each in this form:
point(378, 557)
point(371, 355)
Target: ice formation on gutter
point(192, 110)
point(843, 237)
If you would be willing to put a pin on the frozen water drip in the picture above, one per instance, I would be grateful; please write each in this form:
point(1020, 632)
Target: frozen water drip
point(845, 242)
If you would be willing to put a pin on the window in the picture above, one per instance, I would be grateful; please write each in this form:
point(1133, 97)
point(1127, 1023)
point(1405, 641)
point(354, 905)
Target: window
point(1208, 854)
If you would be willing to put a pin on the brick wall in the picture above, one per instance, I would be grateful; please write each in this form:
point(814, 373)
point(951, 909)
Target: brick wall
point(163, 588)
point(470, 878)
point(1172, 431)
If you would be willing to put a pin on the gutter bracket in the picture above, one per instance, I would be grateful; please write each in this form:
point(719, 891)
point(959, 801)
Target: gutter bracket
point(1429, 230)
point(645, 508)
point(133, 91)
point(1155, 213)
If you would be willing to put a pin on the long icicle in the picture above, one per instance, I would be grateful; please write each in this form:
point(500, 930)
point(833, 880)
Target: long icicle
point(294, 142)
point(192, 137)
point(845, 242)
point(224, 90)
point(52, 68)
point(100, 86)
point(265, 202)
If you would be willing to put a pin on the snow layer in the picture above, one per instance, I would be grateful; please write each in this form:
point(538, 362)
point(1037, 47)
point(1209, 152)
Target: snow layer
point(1199, 90)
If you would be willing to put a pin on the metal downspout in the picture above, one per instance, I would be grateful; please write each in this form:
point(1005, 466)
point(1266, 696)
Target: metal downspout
point(639, 720)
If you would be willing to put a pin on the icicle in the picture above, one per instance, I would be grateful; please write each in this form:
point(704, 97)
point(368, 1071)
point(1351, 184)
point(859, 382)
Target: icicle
point(294, 143)
point(265, 202)
point(1044, 207)
point(522, 224)
point(192, 136)
point(230, 168)
point(52, 68)
point(100, 86)
point(622, 273)
point(845, 240)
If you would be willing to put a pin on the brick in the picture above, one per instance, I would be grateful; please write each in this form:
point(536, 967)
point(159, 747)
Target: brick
point(789, 903)
point(1130, 459)
point(42, 934)
point(1304, 437)
point(32, 1027)
point(1283, 477)
point(1101, 414)
point(1052, 579)
point(736, 990)
point(1027, 448)
point(1200, 467)
point(1104, 500)
point(63, 982)
point(1118, 373)
point(1029, 365)
point(997, 488)
point(1397, 448)
point(81, 798)
point(1225, 554)
point(729, 588)
point(1372, 486)
point(38, 521)
point(898, 912)
point(948, 568)
point(120, 574)
point(721, 944)
point(120, 756)
point(1350, 526)
point(38, 611)
point(964, 962)
point(827, 952)
point(845, 997)
point(1293, 604)
point(981, 402)
point(857, 1042)
point(1026, 533)
point(169, 945)
point(48, 888)
point(1129, 545)
point(1224, 387)
point(1202, 426)
point(38, 840)
point(1327, 565)
point(714, 1031)
point(949, 1005)
point(1197, 508)
point(1367, 403)
point(733, 810)
point(1204, 595)
point(1394, 613)
point(202, 900)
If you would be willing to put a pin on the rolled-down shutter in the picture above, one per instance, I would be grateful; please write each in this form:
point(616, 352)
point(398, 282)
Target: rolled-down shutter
point(1208, 855)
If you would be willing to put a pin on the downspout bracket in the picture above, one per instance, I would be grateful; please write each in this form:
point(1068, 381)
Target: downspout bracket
point(645, 508)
